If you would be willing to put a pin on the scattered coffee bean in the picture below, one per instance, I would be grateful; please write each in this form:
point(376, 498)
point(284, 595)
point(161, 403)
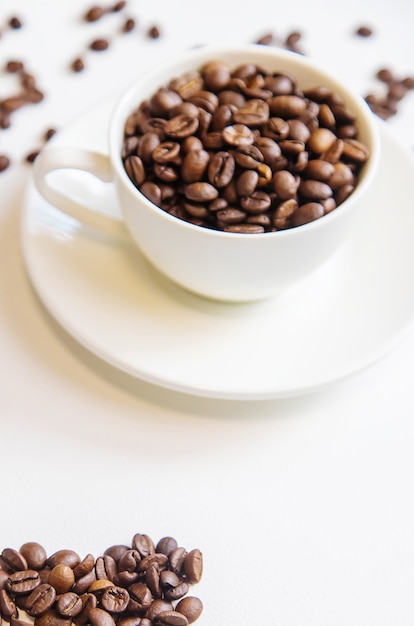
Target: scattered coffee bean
point(94, 14)
point(78, 65)
point(364, 31)
point(99, 44)
point(154, 32)
point(129, 25)
point(118, 6)
point(15, 23)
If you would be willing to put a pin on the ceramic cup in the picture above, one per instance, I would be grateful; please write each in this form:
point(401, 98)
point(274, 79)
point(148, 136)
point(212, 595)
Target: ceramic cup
point(215, 264)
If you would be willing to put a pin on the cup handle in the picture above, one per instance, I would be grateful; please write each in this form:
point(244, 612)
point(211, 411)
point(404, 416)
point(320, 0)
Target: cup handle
point(51, 159)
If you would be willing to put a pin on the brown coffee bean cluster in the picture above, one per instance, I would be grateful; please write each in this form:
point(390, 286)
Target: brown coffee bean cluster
point(243, 150)
point(144, 584)
point(396, 89)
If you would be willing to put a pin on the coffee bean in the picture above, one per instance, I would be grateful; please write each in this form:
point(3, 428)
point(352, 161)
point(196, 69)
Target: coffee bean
point(8, 607)
point(307, 213)
point(100, 617)
point(13, 559)
point(22, 583)
point(15, 23)
point(40, 600)
point(364, 31)
point(154, 32)
point(78, 65)
point(105, 568)
point(62, 578)
point(158, 606)
point(191, 607)
point(84, 567)
point(99, 44)
point(116, 551)
point(170, 618)
point(69, 604)
point(66, 557)
point(115, 599)
point(193, 566)
point(94, 14)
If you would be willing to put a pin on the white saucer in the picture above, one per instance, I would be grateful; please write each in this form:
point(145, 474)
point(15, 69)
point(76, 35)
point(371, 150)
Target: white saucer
point(344, 318)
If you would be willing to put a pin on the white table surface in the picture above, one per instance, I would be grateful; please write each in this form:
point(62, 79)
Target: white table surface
point(303, 507)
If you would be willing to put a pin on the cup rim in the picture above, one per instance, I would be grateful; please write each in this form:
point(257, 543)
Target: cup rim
point(199, 55)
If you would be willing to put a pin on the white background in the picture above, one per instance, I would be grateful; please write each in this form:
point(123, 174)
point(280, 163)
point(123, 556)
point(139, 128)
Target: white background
point(303, 508)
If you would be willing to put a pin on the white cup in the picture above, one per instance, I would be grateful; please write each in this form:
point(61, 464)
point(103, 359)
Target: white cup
point(215, 264)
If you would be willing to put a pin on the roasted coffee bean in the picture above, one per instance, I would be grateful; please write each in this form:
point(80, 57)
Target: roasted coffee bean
point(158, 606)
point(200, 192)
point(100, 617)
point(222, 116)
point(94, 14)
point(13, 560)
point(143, 544)
point(193, 566)
point(175, 593)
point(84, 567)
point(238, 135)
point(152, 575)
point(78, 65)
point(248, 157)
point(254, 113)
point(228, 216)
point(35, 555)
point(21, 583)
point(89, 601)
point(341, 175)
point(287, 106)
point(319, 169)
point(285, 184)
point(181, 126)
point(343, 193)
point(154, 32)
point(62, 578)
point(129, 561)
point(247, 182)
point(83, 583)
point(135, 169)
point(314, 190)
point(170, 618)
point(141, 595)
point(3, 577)
point(69, 604)
point(115, 599)
point(40, 600)
point(99, 586)
point(8, 607)
point(194, 165)
point(216, 75)
point(321, 140)
point(99, 44)
point(307, 213)
point(246, 229)
point(191, 607)
point(67, 557)
point(355, 150)
point(105, 568)
point(116, 551)
point(256, 202)
point(164, 100)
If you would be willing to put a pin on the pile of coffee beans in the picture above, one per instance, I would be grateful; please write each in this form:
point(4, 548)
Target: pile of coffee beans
point(243, 150)
point(28, 92)
point(144, 584)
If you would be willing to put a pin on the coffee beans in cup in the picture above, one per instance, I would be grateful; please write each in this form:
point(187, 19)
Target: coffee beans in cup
point(140, 584)
point(243, 149)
